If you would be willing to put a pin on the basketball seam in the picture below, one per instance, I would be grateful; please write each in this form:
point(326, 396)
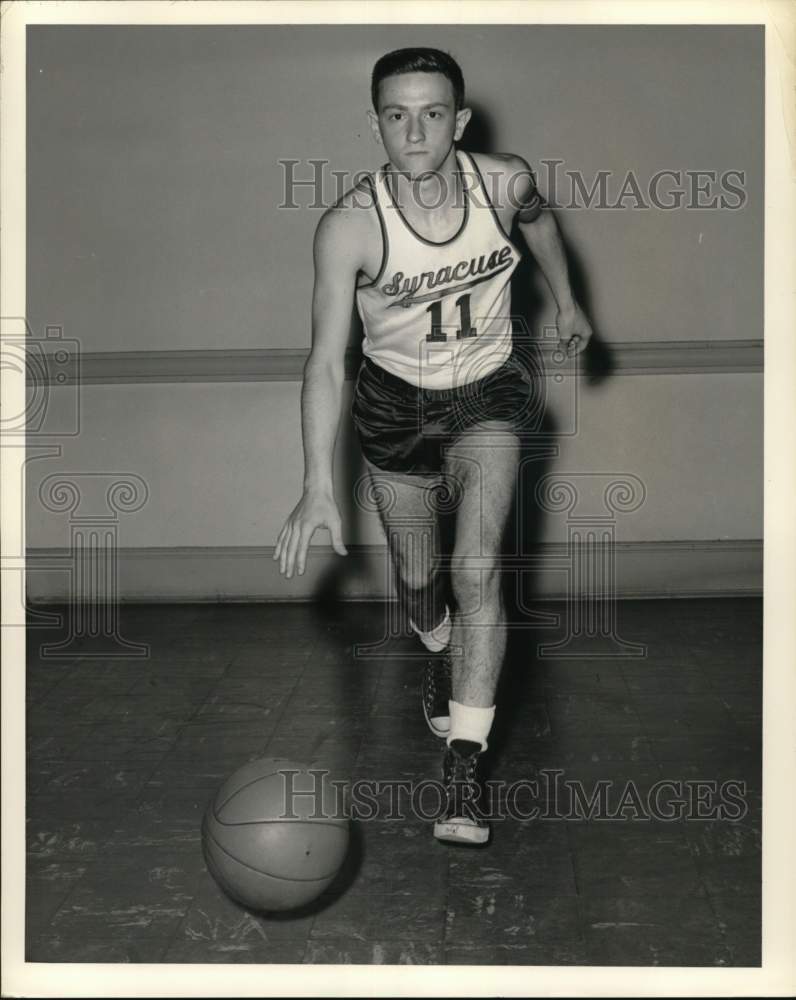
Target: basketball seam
point(284, 819)
point(259, 871)
point(260, 777)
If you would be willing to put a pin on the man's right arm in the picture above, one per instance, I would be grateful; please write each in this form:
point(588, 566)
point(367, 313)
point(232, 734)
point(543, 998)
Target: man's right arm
point(336, 267)
point(337, 252)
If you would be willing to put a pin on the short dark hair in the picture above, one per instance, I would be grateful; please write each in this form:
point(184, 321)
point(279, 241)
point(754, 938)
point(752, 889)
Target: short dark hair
point(418, 61)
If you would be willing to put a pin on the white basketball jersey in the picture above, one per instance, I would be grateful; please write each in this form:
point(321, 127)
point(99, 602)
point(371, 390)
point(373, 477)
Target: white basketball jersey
point(439, 314)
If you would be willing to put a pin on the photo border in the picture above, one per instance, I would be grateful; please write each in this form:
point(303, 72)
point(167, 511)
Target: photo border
point(776, 977)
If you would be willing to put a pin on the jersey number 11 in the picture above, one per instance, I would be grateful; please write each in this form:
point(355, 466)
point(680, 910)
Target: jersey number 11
point(437, 334)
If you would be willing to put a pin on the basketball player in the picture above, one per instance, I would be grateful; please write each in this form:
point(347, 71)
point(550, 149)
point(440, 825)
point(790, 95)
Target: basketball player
point(422, 246)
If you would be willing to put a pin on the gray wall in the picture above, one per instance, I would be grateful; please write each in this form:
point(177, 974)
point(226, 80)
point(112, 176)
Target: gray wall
point(153, 224)
point(154, 183)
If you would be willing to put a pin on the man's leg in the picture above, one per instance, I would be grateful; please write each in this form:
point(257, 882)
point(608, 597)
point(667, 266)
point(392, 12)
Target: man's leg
point(413, 534)
point(486, 477)
point(409, 519)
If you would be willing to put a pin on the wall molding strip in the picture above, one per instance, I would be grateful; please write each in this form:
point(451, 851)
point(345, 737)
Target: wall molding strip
point(287, 365)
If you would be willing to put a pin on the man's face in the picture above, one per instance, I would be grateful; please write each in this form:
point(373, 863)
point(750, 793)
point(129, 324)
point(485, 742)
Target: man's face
point(417, 120)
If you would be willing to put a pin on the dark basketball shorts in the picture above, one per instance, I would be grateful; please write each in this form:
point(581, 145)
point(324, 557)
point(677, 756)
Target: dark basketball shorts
point(405, 428)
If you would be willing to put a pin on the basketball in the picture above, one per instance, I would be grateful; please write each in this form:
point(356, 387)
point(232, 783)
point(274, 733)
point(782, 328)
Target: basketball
point(274, 836)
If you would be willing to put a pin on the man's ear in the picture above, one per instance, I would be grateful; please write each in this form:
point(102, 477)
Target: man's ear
point(374, 126)
point(462, 117)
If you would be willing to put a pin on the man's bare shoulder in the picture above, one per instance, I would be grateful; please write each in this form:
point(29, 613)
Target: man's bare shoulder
point(506, 175)
point(350, 220)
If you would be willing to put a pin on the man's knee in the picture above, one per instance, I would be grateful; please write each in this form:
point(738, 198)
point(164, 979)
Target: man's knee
point(476, 583)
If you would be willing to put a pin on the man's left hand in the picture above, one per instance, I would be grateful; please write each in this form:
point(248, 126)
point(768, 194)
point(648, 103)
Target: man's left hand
point(574, 330)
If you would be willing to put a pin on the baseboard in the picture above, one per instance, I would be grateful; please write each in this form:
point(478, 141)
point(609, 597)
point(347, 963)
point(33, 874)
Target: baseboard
point(671, 569)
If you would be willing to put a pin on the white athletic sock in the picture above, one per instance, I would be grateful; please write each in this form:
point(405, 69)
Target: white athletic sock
point(470, 723)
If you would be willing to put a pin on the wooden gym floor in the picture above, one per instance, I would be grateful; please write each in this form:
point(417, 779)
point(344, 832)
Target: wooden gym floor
point(123, 755)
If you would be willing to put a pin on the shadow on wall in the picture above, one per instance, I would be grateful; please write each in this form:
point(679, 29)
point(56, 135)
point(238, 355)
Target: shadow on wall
point(525, 525)
point(526, 297)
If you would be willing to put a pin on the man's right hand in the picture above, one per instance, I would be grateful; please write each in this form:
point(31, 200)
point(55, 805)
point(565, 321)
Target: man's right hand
point(314, 510)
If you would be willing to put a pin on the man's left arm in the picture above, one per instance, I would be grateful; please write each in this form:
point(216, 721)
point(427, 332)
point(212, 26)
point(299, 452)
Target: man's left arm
point(540, 231)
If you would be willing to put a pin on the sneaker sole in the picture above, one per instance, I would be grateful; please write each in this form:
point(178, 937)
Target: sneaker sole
point(461, 833)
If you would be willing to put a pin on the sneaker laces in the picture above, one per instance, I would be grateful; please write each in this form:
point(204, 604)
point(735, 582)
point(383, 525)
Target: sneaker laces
point(461, 775)
point(438, 679)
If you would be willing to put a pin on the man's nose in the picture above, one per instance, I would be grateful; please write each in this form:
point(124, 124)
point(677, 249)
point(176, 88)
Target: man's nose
point(416, 133)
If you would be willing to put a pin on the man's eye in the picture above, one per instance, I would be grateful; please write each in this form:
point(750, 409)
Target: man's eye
point(434, 114)
point(395, 116)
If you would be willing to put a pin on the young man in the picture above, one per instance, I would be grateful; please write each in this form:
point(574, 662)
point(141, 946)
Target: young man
point(422, 246)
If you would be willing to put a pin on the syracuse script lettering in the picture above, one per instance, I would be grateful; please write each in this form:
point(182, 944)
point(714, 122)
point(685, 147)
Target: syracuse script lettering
point(473, 268)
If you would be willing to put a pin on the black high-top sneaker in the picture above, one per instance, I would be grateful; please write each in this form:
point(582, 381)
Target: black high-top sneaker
point(435, 689)
point(463, 821)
